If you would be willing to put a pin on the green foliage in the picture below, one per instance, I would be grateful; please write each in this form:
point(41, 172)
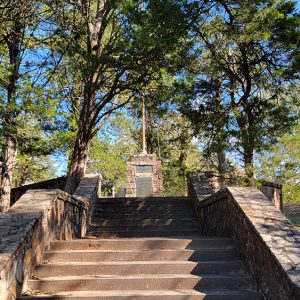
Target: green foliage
point(280, 164)
point(136, 45)
point(295, 219)
point(248, 50)
point(31, 169)
point(177, 151)
point(111, 150)
point(27, 109)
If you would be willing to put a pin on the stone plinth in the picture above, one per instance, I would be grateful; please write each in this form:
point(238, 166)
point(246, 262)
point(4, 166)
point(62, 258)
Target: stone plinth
point(141, 170)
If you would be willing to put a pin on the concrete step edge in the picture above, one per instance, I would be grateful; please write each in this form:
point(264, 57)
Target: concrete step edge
point(144, 239)
point(140, 222)
point(145, 262)
point(213, 250)
point(158, 228)
point(203, 238)
point(144, 276)
point(148, 293)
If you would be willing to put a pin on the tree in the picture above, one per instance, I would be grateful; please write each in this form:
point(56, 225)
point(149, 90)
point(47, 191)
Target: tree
point(111, 149)
point(280, 164)
point(168, 133)
point(208, 119)
point(16, 19)
point(253, 47)
point(179, 153)
point(30, 169)
point(26, 107)
point(113, 48)
point(172, 142)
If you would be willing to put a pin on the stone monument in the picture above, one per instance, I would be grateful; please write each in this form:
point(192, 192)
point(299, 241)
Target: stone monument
point(144, 171)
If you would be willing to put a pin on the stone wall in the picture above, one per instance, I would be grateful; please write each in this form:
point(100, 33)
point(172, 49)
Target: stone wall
point(55, 183)
point(268, 242)
point(144, 160)
point(37, 218)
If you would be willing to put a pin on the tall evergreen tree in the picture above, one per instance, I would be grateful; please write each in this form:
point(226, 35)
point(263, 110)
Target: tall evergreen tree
point(253, 48)
point(113, 48)
point(26, 106)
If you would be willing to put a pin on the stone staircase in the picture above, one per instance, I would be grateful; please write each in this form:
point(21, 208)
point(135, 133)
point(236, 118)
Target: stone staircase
point(142, 249)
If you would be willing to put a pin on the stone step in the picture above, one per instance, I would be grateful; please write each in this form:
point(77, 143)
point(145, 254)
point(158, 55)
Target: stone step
point(143, 228)
point(147, 199)
point(150, 295)
point(140, 221)
point(234, 267)
point(106, 214)
point(140, 282)
point(147, 211)
point(157, 212)
point(143, 206)
point(143, 244)
point(151, 202)
point(139, 255)
point(145, 215)
point(143, 233)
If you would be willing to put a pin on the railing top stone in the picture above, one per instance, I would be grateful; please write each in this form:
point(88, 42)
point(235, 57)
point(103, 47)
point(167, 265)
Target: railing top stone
point(275, 229)
point(86, 187)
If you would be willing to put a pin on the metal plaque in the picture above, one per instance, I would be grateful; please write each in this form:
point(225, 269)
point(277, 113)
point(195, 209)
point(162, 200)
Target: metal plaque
point(143, 186)
point(143, 169)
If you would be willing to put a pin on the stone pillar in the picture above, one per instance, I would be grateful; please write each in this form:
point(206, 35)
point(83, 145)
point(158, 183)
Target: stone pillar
point(273, 192)
point(144, 176)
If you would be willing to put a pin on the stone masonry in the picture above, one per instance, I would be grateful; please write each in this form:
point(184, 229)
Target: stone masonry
point(36, 219)
point(156, 174)
point(266, 239)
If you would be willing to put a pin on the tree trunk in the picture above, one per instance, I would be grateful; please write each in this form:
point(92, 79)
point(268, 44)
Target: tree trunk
point(222, 167)
point(88, 107)
point(9, 156)
point(249, 168)
point(14, 44)
point(78, 164)
point(221, 140)
point(183, 160)
point(24, 174)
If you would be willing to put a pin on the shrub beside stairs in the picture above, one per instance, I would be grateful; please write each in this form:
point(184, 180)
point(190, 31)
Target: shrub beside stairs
point(142, 248)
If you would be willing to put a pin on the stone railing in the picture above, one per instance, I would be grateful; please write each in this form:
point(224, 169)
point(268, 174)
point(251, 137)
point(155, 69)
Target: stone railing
point(38, 217)
point(55, 183)
point(267, 240)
